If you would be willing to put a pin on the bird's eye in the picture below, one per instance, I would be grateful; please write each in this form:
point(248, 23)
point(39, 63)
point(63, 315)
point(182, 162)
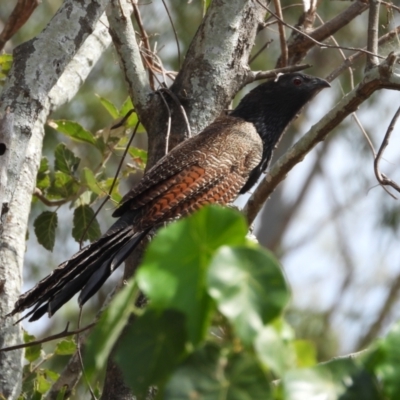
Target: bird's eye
point(297, 81)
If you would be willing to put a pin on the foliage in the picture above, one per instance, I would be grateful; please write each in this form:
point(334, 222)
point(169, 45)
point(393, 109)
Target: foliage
point(215, 328)
point(83, 187)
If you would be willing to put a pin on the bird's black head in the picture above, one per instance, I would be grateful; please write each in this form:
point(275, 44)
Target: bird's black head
point(276, 102)
point(273, 104)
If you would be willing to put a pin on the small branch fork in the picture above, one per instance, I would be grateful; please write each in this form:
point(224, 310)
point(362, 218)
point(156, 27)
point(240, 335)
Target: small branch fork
point(60, 335)
point(382, 178)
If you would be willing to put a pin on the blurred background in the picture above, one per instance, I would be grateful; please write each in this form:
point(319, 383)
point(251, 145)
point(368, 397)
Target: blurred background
point(334, 229)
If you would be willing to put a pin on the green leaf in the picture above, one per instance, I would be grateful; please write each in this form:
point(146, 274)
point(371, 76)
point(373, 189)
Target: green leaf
point(106, 332)
point(48, 373)
point(133, 118)
point(43, 175)
point(306, 353)
point(5, 65)
point(83, 216)
point(65, 347)
point(208, 374)
point(158, 340)
point(249, 288)
point(65, 160)
point(138, 155)
point(63, 186)
point(32, 353)
point(384, 361)
point(45, 229)
point(42, 384)
point(173, 273)
point(275, 349)
point(109, 106)
point(73, 130)
point(90, 180)
point(338, 379)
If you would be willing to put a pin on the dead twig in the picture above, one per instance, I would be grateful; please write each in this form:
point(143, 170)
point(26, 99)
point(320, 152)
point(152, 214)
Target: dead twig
point(382, 178)
point(21, 13)
point(59, 335)
point(282, 36)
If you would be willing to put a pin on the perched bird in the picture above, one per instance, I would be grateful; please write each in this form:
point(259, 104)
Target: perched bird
point(224, 160)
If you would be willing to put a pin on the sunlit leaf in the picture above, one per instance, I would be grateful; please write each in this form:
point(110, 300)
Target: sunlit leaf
point(249, 288)
point(73, 130)
point(108, 329)
point(173, 273)
point(65, 347)
point(109, 106)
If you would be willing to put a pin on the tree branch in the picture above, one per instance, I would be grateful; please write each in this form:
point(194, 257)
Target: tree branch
point(31, 102)
point(380, 77)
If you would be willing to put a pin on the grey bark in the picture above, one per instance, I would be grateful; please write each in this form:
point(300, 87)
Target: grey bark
point(32, 91)
point(215, 68)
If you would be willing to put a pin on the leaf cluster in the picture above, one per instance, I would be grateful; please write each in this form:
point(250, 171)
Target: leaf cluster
point(214, 325)
point(82, 187)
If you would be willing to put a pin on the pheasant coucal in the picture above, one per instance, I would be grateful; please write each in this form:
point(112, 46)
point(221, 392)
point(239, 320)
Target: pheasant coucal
point(224, 160)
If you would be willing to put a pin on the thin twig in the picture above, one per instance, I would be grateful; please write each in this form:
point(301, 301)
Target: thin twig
point(373, 34)
point(178, 103)
point(113, 182)
point(56, 203)
point(78, 350)
point(260, 51)
point(145, 38)
point(282, 36)
point(257, 75)
point(354, 57)
point(175, 34)
point(59, 335)
point(323, 45)
point(382, 178)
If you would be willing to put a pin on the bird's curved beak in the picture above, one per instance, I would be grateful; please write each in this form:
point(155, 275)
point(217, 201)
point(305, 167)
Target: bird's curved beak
point(320, 83)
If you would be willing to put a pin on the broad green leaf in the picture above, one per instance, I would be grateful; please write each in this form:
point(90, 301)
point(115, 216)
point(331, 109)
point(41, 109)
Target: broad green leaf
point(90, 180)
point(5, 65)
point(63, 186)
point(65, 160)
point(43, 175)
point(209, 374)
point(42, 384)
point(85, 224)
point(65, 347)
point(109, 106)
point(106, 332)
point(338, 379)
point(173, 273)
point(306, 353)
point(45, 229)
point(139, 156)
point(133, 118)
point(275, 350)
point(32, 353)
point(157, 339)
point(51, 374)
point(74, 131)
point(384, 361)
point(248, 287)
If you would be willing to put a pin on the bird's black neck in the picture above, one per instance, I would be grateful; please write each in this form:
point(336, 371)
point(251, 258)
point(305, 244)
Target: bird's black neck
point(270, 117)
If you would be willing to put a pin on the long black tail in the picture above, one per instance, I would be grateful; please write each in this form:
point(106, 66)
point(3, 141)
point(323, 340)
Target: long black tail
point(86, 271)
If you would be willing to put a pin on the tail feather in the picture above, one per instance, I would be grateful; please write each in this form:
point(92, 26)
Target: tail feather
point(86, 271)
